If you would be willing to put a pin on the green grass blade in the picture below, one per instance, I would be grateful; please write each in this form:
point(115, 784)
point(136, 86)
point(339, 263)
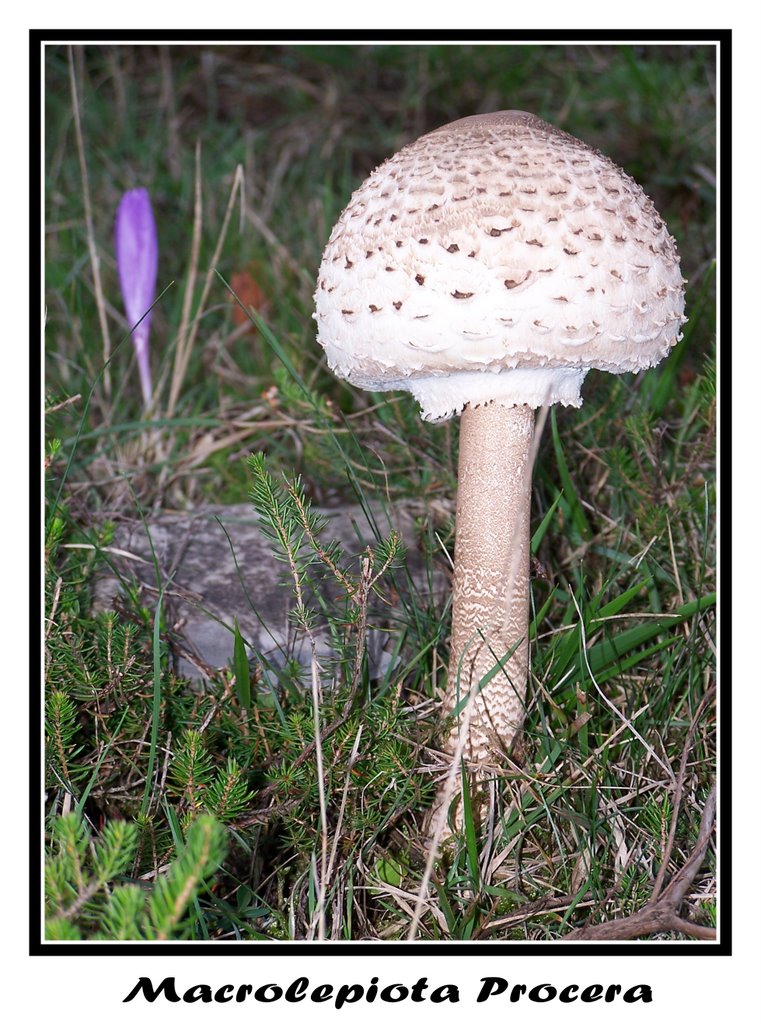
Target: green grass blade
point(578, 516)
point(610, 651)
point(241, 668)
point(541, 529)
point(156, 706)
point(471, 842)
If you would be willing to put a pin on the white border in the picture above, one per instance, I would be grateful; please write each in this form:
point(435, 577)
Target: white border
point(684, 985)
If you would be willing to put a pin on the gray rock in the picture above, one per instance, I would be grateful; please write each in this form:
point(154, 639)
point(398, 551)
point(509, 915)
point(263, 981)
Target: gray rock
point(217, 566)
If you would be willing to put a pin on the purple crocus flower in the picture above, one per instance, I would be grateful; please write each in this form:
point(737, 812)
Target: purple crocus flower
point(137, 254)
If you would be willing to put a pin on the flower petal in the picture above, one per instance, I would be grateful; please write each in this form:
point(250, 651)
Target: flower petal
point(137, 253)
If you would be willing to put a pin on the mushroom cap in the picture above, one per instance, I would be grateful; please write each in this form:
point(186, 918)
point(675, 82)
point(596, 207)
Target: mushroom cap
point(496, 258)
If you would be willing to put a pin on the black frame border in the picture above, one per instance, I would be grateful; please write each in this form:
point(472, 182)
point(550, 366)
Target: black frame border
point(38, 39)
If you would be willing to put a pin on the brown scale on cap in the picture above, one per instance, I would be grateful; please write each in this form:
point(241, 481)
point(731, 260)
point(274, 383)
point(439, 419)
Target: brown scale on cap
point(515, 259)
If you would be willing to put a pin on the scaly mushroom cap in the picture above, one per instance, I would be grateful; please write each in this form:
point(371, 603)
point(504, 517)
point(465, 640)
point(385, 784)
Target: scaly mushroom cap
point(496, 259)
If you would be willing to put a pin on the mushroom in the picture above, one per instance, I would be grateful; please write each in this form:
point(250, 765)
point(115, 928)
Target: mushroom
point(486, 268)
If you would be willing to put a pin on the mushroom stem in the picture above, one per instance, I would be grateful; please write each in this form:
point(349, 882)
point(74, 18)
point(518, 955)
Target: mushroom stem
point(491, 581)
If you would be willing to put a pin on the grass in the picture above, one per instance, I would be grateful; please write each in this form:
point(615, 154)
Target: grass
point(249, 154)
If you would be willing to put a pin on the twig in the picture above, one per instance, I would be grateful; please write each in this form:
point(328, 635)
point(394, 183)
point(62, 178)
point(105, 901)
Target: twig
point(339, 823)
point(53, 606)
point(62, 405)
point(186, 339)
point(321, 789)
point(662, 912)
point(319, 550)
point(537, 908)
point(121, 552)
point(174, 147)
point(187, 301)
point(679, 790)
point(94, 259)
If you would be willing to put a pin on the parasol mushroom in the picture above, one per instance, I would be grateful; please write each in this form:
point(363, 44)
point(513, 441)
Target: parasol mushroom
point(486, 268)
